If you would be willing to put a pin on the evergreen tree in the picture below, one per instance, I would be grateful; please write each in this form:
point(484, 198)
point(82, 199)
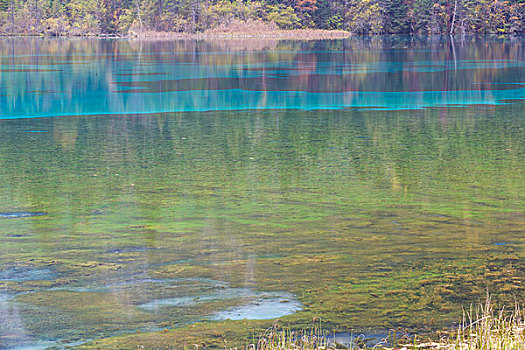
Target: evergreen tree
point(80, 17)
point(420, 16)
point(4, 5)
point(106, 20)
point(323, 14)
point(395, 16)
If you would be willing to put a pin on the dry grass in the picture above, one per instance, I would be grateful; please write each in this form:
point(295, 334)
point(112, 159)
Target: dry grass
point(249, 27)
point(481, 329)
point(488, 329)
point(276, 338)
point(237, 29)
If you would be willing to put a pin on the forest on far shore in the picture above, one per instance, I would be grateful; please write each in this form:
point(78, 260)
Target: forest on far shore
point(359, 17)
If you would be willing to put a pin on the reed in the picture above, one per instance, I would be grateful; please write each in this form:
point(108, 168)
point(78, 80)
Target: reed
point(482, 328)
point(490, 329)
point(277, 338)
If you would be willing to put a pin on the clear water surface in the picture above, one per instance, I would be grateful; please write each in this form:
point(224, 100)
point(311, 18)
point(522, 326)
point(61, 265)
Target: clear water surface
point(375, 183)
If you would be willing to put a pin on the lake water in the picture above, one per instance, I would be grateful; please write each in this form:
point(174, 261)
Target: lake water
point(375, 183)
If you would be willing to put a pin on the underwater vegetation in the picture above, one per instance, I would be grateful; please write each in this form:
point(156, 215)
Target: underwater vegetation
point(482, 327)
point(170, 246)
point(173, 228)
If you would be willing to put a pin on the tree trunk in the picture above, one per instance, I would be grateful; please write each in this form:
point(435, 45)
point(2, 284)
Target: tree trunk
point(453, 17)
point(12, 15)
point(192, 18)
point(159, 22)
point(36, 14)
point(139, 17)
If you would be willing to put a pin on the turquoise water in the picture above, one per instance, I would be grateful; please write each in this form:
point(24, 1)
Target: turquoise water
point(127, 78)
point(374, 183)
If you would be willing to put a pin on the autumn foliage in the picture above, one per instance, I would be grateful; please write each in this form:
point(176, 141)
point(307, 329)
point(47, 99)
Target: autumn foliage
point(120, 17)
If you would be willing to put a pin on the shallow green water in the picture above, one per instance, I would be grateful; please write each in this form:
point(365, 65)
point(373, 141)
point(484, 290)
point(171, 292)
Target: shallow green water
point(375, 183)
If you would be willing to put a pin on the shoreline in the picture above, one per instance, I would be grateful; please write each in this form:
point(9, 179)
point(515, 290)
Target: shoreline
point(297, 34)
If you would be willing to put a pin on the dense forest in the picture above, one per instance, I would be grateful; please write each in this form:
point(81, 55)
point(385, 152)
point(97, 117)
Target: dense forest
point(121, 17)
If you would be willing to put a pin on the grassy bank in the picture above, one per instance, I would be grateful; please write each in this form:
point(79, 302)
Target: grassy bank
point(248, 29)
point(234, 29)
point(482, 328)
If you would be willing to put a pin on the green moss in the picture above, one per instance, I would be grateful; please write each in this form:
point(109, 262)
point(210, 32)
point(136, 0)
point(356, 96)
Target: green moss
point(379, 233)
point(211, 335)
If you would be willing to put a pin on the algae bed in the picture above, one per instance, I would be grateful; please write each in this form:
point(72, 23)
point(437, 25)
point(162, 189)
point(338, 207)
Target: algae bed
point(153, 229)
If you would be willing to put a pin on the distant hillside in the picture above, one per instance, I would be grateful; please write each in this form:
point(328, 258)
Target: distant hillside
point(359, 17)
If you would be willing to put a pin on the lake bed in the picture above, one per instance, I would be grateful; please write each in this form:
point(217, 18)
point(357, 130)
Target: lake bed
point(374, 183)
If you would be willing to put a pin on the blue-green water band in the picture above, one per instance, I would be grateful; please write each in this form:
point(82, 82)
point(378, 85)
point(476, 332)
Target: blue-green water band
point(185, 78)
point(224, 100)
